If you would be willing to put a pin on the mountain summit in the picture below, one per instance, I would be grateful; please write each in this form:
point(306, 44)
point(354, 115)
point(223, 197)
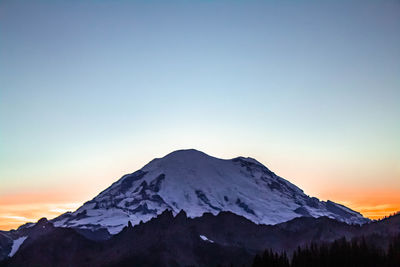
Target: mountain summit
point(196, 183)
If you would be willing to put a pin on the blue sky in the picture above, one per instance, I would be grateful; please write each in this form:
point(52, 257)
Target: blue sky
point(90, 90)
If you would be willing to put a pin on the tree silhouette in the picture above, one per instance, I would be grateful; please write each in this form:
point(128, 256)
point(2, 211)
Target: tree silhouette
point(355, 253)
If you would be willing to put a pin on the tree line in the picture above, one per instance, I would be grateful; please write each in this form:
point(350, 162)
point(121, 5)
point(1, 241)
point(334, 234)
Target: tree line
point(341, 252)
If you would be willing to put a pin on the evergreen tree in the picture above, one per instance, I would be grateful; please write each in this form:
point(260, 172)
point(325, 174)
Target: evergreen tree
point(343, 253)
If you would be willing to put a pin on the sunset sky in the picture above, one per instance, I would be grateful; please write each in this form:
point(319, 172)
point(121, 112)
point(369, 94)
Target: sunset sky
point(92, 90)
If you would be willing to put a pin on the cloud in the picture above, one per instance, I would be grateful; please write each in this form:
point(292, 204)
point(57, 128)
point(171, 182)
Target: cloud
point(18, 218)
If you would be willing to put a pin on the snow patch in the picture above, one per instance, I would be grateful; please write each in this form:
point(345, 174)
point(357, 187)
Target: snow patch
point(16, 244)
point(204, 238)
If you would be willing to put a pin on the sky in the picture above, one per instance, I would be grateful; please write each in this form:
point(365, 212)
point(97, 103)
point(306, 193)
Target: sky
point(92, 90)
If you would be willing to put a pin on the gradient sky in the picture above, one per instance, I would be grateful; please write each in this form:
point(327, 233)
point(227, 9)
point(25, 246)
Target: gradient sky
point(91, 90)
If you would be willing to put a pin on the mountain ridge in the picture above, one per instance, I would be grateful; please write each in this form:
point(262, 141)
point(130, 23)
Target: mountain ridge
point(168, 240)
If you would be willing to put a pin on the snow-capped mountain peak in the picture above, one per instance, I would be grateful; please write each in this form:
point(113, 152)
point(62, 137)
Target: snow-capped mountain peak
point(195, 182)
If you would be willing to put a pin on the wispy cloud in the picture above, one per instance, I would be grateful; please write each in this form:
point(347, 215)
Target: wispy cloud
point(18, 218)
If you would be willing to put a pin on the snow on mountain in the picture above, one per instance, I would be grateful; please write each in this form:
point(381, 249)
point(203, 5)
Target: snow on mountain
point(195, 182)
point(16, 244)
point(204, 238)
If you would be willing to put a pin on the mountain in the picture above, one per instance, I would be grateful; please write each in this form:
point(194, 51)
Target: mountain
point(197, 183)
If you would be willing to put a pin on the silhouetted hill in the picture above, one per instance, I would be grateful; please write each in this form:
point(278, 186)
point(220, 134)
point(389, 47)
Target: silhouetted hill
point(208, 240)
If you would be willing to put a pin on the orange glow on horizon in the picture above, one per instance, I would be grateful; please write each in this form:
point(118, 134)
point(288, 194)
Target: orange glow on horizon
point(371, 203)
point(20, 208)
